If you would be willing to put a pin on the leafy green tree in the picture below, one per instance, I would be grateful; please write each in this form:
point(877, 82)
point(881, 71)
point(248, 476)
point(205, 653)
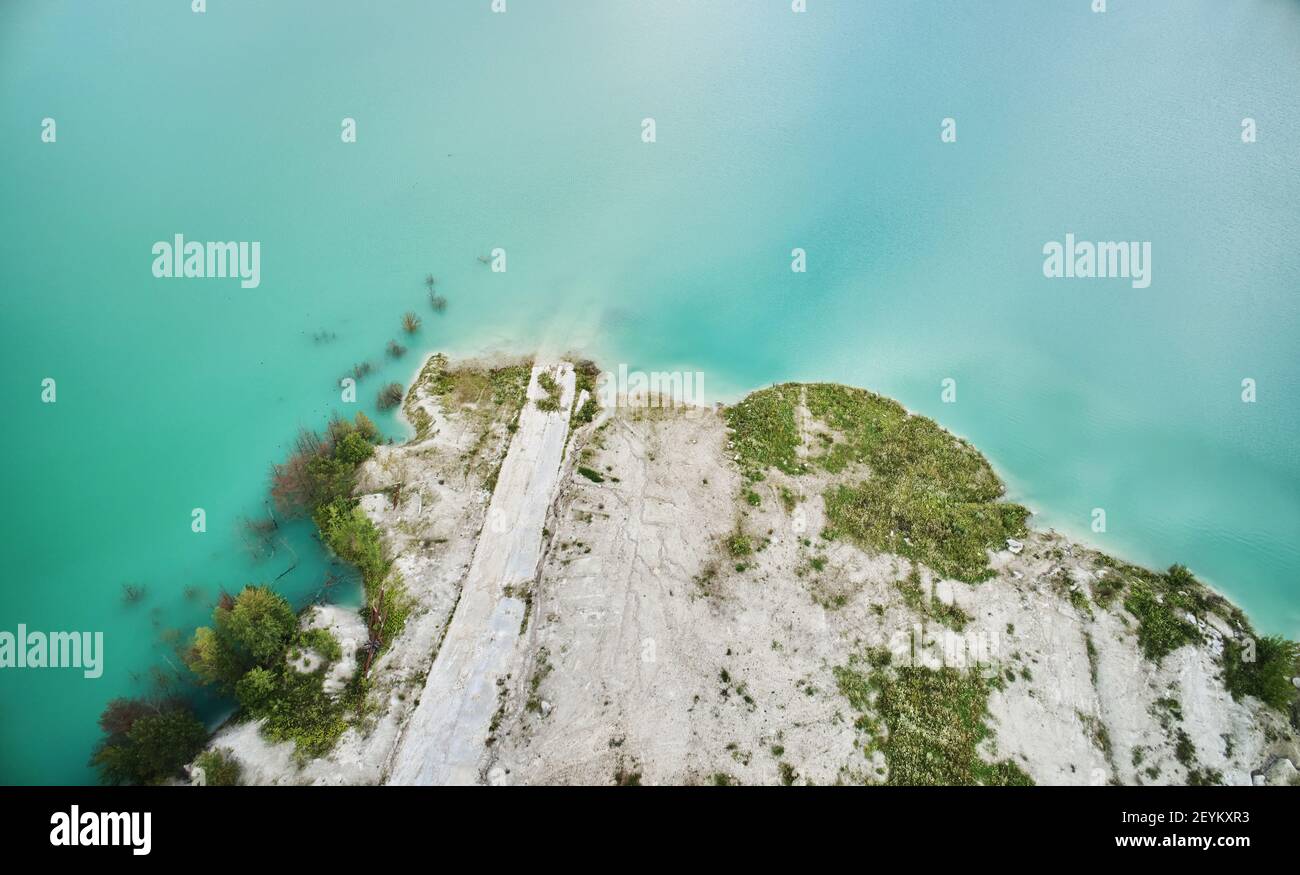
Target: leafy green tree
point(250, 630)
point(256, 689)
point(150, 743)
point(354, 449)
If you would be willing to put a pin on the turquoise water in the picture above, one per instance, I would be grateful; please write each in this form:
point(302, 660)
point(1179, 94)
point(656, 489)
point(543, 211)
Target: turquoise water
point(522, 131)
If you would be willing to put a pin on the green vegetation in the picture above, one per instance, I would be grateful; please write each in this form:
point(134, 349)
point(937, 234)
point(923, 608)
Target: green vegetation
point(593, 476)
point(244, 652)
point(551, 402)
point(585, 374)
point(295, 707)
point(627, 776)
point(219, 768)
point(935, 722)
point(480, 393)
point(1160, 609)
point(1107, 588)
point(1262, 668)
point(766, 435)
point(788, 499)
point(914, 596)
point(321, 641)
point(248, 630)
point(738, 545)
point(927, 495)
point(541, 671)
point(146, 741)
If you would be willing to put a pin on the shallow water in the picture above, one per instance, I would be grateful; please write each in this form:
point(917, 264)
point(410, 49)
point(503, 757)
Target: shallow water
point(522, 131)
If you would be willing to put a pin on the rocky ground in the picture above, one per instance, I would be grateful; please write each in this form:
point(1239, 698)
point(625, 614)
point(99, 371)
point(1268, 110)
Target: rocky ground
point(692, 621)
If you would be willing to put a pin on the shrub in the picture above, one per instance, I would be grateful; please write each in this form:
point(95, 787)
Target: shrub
point(1268, 676)
point(738, 545)
point(345, 529)
point(587, 412)
point(296, 708)
point(1161, 630)
point(354, 449)
point(220, 768)
point(319, 471)
point(323, 643)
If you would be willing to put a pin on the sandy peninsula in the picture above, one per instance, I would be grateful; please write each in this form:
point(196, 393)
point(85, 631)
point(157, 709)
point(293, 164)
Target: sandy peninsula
point(767, 593)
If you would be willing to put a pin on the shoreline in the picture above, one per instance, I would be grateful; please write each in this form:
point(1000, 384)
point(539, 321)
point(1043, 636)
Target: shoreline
point(440, 502)
point(493, 354)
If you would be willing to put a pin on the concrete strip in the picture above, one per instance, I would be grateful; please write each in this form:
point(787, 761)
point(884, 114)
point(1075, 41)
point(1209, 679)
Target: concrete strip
point(444, 741)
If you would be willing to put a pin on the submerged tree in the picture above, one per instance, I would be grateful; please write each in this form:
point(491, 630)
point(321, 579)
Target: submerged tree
point(410, 322)
point(390, 396)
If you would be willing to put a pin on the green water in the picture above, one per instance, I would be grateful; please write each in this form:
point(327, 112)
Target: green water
point(522, 131)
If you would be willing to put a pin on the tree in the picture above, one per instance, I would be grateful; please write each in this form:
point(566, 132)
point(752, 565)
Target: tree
point(252, 630)
point(256, 689)
point(149, 741)
point(354, 449)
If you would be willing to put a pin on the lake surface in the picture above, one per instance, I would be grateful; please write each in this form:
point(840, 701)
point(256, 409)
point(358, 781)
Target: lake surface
point(523, 131)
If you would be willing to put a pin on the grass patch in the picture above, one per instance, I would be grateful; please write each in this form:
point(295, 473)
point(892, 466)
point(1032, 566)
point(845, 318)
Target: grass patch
point(765, 432)
point(929, 496)
point(914, 596)
point(1262, 668)
point(935, 720)
point(551, 402)
point(1162, 627)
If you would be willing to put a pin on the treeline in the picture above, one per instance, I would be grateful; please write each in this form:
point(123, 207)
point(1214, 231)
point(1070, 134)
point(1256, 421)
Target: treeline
point(255, 652)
